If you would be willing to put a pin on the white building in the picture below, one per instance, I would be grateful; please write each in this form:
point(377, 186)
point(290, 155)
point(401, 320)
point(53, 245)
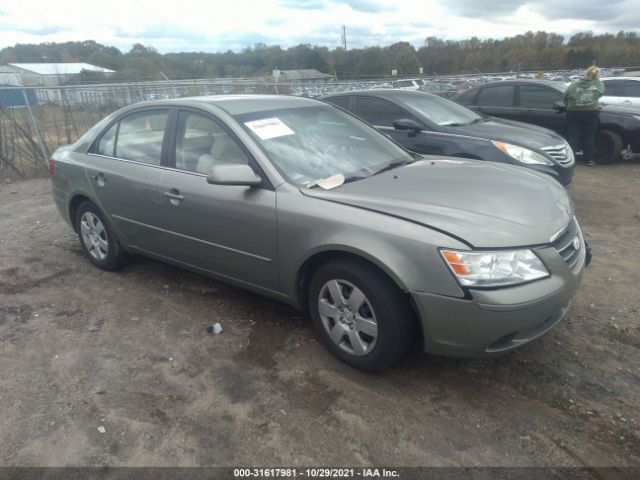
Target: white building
point(49, 74)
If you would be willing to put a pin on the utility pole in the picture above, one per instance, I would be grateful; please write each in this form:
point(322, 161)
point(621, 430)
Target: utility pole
point(344, 37)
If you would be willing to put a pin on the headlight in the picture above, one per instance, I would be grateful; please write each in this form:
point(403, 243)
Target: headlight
point(522, 154)
point(637, 117)
point(494, 269)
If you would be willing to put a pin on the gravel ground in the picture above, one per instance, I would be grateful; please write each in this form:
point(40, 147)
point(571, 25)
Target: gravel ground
point(128, 351)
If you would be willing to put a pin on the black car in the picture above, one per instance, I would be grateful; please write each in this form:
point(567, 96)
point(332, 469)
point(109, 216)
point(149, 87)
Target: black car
point(540, 102)
point(432, 125)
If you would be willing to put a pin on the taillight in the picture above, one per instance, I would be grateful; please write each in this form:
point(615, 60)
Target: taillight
point(52, 166)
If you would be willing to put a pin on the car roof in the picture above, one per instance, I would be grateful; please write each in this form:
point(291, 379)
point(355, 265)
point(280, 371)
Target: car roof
point(637, 79)
point(390, 93)
point(549, 83)
point(239, 104)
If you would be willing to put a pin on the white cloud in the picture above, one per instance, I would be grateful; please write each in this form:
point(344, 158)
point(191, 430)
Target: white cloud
point(190, 25)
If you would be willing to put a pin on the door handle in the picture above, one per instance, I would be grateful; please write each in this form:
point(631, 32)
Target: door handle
point(174, 196)
point(99, 179)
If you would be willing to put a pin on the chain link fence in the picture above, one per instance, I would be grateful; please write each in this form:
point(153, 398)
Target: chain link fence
point(34, 121)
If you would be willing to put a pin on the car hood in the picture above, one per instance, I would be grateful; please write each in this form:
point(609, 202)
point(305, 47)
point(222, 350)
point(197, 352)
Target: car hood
point(509, 131)
point(485, 204)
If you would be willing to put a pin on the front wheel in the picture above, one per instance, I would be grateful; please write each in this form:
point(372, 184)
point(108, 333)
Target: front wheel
point(98, 241)
point(360, 314)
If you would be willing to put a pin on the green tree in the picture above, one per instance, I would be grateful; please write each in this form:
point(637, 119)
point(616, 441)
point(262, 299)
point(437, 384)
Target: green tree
point(372, 62)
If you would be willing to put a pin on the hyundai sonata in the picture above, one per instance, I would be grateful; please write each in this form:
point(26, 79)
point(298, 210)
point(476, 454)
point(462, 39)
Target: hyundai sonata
point(305, 203)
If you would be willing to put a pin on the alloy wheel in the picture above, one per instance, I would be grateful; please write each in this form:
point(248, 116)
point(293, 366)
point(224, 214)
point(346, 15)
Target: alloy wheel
point(348, 317)
point(94, 236)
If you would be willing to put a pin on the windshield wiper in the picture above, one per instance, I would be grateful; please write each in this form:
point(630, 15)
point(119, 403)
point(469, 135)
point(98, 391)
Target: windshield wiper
point(392, 165)
point(354, 178)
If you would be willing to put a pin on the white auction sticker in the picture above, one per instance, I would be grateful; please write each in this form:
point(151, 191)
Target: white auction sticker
point(269, 128)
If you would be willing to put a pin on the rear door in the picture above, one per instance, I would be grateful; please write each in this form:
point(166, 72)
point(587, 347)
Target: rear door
point(631, 93)
point(226, 230)
point(536, 105)
point(125, 167)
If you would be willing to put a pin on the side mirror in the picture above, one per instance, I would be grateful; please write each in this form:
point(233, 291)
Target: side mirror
point(407, 124)
point(233, 174)
point(559, 107)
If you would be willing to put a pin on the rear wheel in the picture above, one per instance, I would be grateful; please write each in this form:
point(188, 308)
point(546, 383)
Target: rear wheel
point(360, 314)
point(608, 146)
point(98, 241)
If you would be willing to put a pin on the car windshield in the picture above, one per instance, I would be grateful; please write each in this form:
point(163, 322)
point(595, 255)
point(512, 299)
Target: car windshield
point(441, 111)
point(309, 144)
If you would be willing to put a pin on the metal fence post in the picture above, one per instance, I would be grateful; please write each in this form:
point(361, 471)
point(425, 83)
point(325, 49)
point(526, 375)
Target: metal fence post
point(34, 124)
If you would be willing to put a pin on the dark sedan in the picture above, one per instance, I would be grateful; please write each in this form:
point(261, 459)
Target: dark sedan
point(540, 102)
point(431, 125)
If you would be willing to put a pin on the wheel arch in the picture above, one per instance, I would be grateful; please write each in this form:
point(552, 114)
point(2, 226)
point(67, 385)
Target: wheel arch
point(76, 200)
point(318, 257)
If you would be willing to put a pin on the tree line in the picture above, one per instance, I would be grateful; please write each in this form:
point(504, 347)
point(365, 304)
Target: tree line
point(527, 52)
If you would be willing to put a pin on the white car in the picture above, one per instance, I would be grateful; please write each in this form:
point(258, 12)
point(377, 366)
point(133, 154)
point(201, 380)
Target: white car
point(621, 91)
point(410, 84)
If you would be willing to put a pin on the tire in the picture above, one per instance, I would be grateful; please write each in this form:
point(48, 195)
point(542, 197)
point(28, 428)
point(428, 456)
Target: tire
point(352, 336)
point(97, 238)
point(608, 146)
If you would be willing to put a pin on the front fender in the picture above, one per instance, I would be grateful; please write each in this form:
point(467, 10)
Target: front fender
point(407, 252)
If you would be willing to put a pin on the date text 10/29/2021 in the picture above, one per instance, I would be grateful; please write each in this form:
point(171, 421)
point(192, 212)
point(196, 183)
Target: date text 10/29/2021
point(315, 473)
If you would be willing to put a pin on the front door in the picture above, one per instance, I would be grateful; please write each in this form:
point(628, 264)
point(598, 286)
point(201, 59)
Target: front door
point(226, 230)
point(536, 104)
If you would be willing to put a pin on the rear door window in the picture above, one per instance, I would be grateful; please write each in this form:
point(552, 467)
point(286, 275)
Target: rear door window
point(501, 96)
point(140, 136)
point(107, 143)
point(631, 88)
point(611, 88)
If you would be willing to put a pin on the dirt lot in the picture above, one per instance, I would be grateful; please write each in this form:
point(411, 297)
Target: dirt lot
point(81, 348)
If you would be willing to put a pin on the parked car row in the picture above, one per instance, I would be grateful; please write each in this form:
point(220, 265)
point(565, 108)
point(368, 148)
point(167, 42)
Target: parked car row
point(308, 204)
point(540, 102)
point(431, 125)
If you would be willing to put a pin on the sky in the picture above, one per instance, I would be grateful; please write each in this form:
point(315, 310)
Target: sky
point(213, 26)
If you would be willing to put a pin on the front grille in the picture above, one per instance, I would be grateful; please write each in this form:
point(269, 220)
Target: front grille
point(565, 245)
point(561, 154)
